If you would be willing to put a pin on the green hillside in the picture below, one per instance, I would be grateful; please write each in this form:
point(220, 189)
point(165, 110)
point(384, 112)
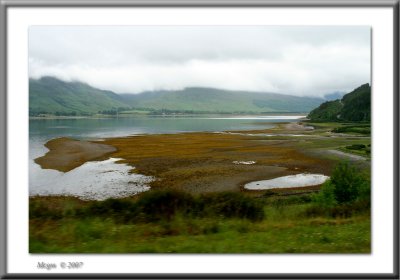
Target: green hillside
point(50, 95)
point(327, 111)
point(221, 101)
point(354, 106)
point(357, 104)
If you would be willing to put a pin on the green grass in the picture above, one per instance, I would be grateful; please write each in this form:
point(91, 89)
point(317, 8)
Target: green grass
point(358, 136)
point(364, 129)
point(286, 227)
point(204, 236)
point(364, 152)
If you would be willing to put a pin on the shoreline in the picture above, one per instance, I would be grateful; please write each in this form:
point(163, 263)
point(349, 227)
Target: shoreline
point(194, 161)
point(54, 117)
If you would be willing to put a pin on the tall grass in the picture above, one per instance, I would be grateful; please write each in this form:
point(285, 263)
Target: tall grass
point(161, 205)
point(208, 223)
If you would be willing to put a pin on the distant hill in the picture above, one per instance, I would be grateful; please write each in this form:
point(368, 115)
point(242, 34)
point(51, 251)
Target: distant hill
point(198, 99)
point(53, 96)
point(334, 95)
point(354, 106)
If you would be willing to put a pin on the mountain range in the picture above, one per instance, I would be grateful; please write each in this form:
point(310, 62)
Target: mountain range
point(49, 95)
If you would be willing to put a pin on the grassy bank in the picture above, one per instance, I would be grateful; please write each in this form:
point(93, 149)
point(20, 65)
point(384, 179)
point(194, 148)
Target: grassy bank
point(281, 224)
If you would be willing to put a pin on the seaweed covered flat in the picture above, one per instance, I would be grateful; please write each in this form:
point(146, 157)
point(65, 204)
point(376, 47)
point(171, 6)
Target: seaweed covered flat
point(204, 161)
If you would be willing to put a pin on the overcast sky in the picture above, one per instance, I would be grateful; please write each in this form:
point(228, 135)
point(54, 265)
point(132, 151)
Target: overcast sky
point(306, 61)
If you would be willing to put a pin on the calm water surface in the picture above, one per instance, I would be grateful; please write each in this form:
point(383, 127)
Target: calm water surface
point(42, 130)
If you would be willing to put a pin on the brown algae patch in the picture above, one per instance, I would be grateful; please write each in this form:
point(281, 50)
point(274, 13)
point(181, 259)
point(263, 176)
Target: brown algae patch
point(66, 154)
point(203, 162)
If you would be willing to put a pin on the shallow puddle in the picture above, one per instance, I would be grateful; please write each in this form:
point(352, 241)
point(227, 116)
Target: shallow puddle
point(291, 181)
point(244, 162)
point(96, 180)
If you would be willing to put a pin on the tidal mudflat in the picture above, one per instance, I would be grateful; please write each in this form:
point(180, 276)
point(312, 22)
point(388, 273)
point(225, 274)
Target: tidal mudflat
point(201, 162)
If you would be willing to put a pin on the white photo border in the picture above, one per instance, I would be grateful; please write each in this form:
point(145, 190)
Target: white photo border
point(381, 261)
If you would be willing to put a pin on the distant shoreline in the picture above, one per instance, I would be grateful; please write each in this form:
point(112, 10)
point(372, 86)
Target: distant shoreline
point(53, 117)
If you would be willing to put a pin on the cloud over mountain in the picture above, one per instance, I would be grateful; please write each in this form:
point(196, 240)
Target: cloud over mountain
point(311, 61)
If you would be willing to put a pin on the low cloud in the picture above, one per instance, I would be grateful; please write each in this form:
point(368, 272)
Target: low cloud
point(306, 61)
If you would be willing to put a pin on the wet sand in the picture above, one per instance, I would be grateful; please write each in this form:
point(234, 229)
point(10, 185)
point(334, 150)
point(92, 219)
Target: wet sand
point(66, 154)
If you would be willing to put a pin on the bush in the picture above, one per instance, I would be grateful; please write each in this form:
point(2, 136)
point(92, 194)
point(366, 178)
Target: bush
point(229, 205)
point(40, 210)
point(158, 205)
point(346, 189)
point(348, 183)
point(290, 200)
point(356, 147)
point(361, 129)
point(164, 204)
point(109, 206)
point(336, 211)
point(120, 209)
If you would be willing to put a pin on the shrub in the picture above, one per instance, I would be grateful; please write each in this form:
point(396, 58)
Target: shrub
point(157, 205)
point(40, 210)
point(229, 205)
point(348, 183)
point(164, 204)
point(362, 129)
point(290, 200)
point(347, 192)
point(326, 197)
point(316, 210)
point(109, 207)
point(119, 209)
point(211, 228)
point(356, 147)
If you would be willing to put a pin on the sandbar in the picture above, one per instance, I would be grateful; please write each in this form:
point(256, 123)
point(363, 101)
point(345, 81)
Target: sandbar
point(66, 154)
